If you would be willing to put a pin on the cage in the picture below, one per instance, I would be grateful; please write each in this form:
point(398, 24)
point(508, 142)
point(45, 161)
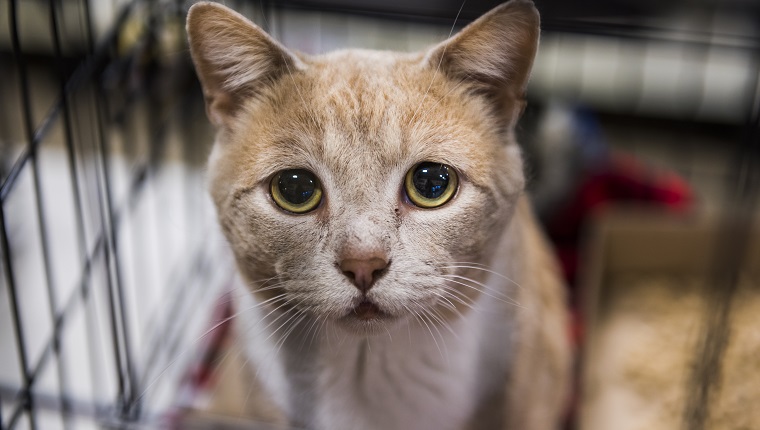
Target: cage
point(111, 257)
point(107, 236)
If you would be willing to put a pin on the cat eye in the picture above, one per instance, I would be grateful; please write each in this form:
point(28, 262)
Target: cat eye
point(296, 190)
point(430, 185)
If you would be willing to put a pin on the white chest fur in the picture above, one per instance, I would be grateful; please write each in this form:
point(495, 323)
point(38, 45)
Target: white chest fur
point(422, 378)
point(415, 376)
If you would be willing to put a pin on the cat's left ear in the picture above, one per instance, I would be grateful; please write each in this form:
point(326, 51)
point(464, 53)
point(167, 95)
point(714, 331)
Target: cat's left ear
point(494, 54)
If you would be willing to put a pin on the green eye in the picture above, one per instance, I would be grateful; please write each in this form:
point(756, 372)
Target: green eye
point(430, 185)
point(296, 190)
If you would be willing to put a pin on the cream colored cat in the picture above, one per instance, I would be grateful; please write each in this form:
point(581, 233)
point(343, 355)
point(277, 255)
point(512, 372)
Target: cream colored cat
point(394, 274)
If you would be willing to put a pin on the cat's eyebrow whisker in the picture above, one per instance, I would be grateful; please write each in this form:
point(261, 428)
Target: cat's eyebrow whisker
point(438, 66)
point(290, 72)
point(298, 91)
point(458, 84)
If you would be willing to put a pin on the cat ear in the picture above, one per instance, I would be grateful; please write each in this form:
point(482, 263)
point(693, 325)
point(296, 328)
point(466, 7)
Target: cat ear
point(494, 54)
point(233, 57)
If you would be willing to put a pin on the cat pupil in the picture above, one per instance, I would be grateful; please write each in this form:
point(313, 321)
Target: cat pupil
point(431, 179)
point(297, 186)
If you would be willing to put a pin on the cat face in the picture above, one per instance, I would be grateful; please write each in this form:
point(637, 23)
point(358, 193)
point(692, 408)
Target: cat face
point(355, 186)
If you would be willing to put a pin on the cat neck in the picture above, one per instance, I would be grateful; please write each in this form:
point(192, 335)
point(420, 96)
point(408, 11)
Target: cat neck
point(389, 380)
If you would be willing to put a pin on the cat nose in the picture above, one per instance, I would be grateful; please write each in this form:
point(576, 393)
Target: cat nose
point(363, 272)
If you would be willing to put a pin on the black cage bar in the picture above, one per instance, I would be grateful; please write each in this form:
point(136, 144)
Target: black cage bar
point(78, 231)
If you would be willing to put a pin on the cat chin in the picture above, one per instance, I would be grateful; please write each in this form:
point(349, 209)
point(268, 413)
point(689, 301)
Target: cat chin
point(365, 328)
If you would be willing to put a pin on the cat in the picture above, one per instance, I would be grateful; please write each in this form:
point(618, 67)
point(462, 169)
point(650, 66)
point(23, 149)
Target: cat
point(392, 273)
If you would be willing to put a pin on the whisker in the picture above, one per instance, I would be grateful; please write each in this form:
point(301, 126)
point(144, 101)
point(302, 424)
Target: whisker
point(444, 356)
point(276, 319)
point(458, 84)
point(241, 410)
point(270, 287)
point(281, 342)
point(446, 303)
point(290, 75)
point(474, 266)
point(438, 66)
point(507, 299)
point(421, 319)
point(305, 335)
point(433, 314)
point(389, 333)
point(192, 344)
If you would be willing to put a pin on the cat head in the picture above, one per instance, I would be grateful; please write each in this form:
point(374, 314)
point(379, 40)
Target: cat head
point(356, 186)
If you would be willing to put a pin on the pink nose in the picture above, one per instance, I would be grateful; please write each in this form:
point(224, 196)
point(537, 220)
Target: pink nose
point(363, 273)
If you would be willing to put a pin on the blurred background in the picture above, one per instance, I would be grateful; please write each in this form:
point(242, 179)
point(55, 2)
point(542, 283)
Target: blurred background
point(642, 138)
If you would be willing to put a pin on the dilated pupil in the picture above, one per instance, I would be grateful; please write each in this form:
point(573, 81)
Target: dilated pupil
point(297, 186)
point(431, 180)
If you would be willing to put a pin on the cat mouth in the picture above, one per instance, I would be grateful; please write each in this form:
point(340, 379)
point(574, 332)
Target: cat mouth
point(368, 311)
point(366, 318)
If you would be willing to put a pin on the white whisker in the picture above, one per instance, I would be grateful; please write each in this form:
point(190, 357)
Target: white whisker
point(507, 299)
point(438, 66)
point(474, 266)
point(192, 344)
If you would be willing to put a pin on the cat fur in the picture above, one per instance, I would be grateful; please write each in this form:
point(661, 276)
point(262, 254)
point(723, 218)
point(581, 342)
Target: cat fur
point(477, 336)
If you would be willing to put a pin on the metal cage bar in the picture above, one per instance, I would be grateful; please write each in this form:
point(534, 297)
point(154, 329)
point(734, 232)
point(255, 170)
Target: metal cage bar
point(104, 248)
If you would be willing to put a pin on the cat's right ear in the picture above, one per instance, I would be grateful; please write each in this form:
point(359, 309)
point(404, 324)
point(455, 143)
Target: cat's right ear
point(234, 59)
point(494, 54)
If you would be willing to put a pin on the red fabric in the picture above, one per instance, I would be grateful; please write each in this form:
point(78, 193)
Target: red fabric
point(622, 179)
